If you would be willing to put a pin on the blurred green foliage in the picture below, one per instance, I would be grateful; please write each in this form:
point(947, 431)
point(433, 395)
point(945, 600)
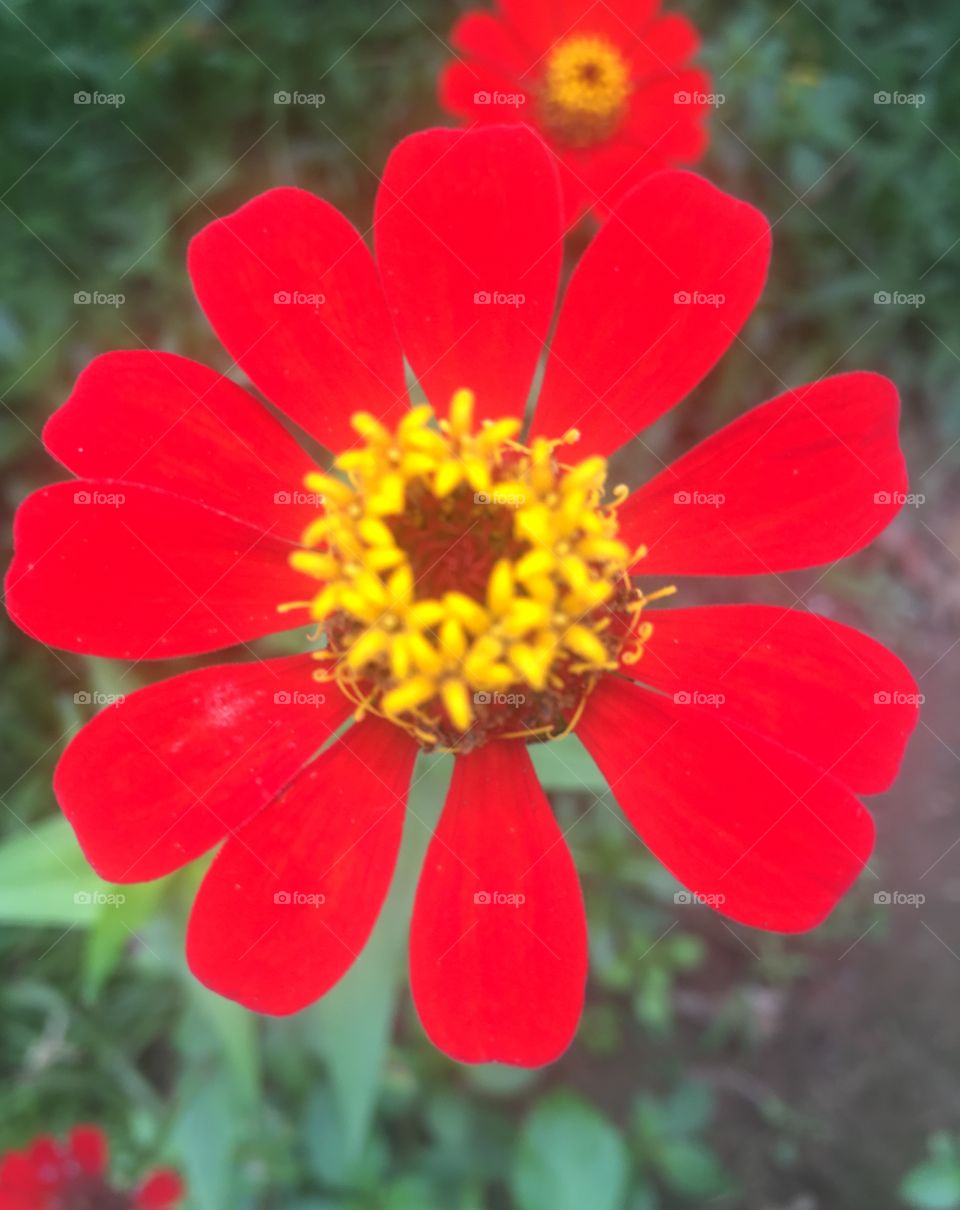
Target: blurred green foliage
point(346, 1107)
point(935, 1183)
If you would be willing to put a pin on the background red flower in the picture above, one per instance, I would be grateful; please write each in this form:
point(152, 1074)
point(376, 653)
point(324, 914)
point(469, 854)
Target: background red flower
point(72, 1174)
point(609, 86)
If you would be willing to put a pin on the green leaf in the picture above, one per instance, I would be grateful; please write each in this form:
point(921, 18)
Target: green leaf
point(567, 765)
point(568, 1157)
point(114, 928)
point(204, 1138)
point(45, 879)
point(351, 1024)
point(500, 1079)
point(690, 1169)
point(687, 1110)
point(935, 1184)
point(653, 1003)
point(234, 1029)
point(410, 1193)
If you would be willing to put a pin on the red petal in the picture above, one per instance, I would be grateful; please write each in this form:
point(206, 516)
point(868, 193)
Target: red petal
point(255, 273)
point(658, 121)
point(122, 570)
point(674, 236)
point(541, 24)
point(498, 981)
point(334, 835)
point(470, 244)
point(483, 36)
point(17, 1175)
point(671, 41)
point(658, 135)
point(471, 90)
point(17, 1201)
point(88, 1145)
point(162, 420)
point(160, 1191)
point(822, 690)
point(808, 478)
point(760, 834)
point(191, 759)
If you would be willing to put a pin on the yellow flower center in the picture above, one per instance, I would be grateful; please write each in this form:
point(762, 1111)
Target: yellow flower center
point(470, 587)
point(585, 89)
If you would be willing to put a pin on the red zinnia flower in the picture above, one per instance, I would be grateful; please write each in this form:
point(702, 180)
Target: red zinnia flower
point(606, 83)
point(475, 592)
point(72, 1175)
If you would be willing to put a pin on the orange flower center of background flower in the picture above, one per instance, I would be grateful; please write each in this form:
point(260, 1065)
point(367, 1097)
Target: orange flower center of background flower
point(470, 587)
point(586, 85)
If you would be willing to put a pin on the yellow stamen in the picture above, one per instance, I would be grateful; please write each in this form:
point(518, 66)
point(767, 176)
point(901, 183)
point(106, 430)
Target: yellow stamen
point(546, 605)
point(586, 86)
